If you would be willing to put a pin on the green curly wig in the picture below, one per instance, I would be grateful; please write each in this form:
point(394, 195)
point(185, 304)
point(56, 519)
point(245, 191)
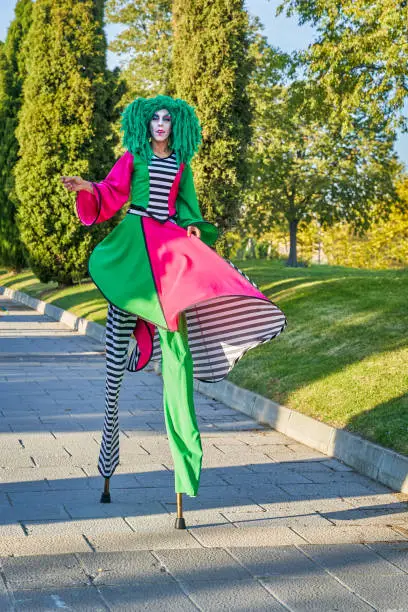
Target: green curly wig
point(185, 136)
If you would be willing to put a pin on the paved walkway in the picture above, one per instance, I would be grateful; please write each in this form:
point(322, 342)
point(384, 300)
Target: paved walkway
point(276, 525)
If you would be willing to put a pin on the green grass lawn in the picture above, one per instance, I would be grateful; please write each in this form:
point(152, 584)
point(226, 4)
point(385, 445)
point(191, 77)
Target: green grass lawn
point(343, 358)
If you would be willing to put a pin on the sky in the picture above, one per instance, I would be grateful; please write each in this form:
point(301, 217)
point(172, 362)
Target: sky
point(281, 31)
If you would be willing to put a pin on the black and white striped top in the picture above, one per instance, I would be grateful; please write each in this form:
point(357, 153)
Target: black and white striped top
point(162, 172)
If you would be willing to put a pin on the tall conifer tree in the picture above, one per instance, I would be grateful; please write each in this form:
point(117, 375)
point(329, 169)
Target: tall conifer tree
point(144, 44)
point(64, 129)
point(12, 73)
point(210, 70)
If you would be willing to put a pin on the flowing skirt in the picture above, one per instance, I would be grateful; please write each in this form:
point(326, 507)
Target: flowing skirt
point(153, 270)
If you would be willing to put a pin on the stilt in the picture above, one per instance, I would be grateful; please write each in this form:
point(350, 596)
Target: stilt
point(105, 497)
point(180, 522)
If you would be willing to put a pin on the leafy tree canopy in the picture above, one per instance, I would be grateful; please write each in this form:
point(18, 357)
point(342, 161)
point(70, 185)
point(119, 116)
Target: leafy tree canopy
point(303, 166)
point(144, 44)
point(360, 57)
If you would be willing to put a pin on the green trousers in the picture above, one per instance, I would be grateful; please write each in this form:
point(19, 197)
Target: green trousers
point(179, 413)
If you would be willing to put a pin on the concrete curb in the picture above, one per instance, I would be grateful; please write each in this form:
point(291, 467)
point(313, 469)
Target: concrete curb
point(381, 464)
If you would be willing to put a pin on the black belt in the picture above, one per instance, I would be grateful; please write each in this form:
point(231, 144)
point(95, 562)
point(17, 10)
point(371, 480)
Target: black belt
point(139, 210)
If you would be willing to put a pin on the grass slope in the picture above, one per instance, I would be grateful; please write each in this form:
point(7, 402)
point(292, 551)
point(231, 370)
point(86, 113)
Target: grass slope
point(342, 359)
point(344, 355)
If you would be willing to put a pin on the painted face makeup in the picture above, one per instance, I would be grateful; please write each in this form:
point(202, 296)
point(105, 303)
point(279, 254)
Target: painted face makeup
point(160, 125)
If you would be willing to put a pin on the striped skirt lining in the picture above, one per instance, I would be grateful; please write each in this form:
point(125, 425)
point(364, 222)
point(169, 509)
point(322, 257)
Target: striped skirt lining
point(218, 341)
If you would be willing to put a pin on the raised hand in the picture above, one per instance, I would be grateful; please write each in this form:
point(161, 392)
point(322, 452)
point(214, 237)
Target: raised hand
point(76, 183)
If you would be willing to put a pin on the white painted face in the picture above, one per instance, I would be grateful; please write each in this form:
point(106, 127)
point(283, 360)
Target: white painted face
point(160, 125)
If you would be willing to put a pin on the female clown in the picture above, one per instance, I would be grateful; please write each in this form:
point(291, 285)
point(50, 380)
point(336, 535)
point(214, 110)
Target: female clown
point(164, 283)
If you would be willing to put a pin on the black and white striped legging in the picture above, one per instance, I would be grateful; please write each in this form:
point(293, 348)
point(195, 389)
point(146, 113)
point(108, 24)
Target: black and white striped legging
point(119, 328)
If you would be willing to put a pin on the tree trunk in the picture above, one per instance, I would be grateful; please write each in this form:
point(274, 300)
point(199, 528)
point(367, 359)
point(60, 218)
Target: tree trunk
point(292, 259)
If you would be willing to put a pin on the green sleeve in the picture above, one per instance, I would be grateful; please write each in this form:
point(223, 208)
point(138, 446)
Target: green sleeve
point(188, 210)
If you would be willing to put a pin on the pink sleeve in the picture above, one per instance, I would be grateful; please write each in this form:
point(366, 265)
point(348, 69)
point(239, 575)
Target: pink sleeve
point(109, 195)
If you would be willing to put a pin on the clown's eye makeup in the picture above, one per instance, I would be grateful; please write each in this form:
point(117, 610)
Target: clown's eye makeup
point(165, 117)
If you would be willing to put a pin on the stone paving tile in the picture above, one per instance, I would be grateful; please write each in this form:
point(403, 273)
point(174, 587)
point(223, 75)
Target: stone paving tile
point(94, 509)
point(269, 494)
point(91, 526)
point(119, 481)
point(25, 424)
point(269, 519)
point(209, 438)
point(34, 441)
point(266, 562)
point(46, 545)
point(151, 523)
point(16, 459)
point(395, 553)
point(4, 501)
point(280, 453)
point(225, 536)
point(138, 468)
point(330, 476)
point(379, 582)
point(314, 593)
point(306, 452)
point(5, 601)
point(389, 593)
point(85, 599)
point(263, 438)
point(49, 571)
point(368, 516)
point(304, 507)
point(233, 460)
point(201, 565)
point(66, 478)
point(123, 568)
point(350, 533)
point(239, 425)
point(168, 539)
point(11, 529)
point(23, 512)
point(322, 491)
point(350, 559)
point(228, 504)
point(135, 433)
point(296, 581)
point(30, 479)
point(202, 518)
point(162, 598)
point(238, 506)
point(386, 500)
point(233, 595)
point(52, 460)
point(279, 475)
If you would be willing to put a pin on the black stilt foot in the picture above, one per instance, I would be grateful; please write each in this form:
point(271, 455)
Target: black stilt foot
point(180, 523)
point(105, 497)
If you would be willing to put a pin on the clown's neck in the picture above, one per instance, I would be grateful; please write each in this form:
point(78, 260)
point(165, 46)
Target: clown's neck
point(161, 149)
